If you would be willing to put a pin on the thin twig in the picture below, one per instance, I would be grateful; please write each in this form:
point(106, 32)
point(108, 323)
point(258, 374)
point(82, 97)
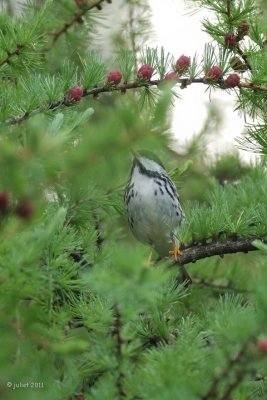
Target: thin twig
point(239, 376)
point(120, 341)
point(244, 57)
point(9, 7)
point(229, 9)
point(67, 25)
point(132, 33)
point(215, 286)
point(11, 54)
point(213, 390)
point(79, 202)
point(238, 49)
point(107, 88)
point(99, 237)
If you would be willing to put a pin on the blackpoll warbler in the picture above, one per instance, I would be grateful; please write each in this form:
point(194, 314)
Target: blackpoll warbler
point(152, 205)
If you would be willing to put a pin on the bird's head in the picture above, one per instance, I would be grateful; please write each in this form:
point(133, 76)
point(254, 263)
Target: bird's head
point(147, 163)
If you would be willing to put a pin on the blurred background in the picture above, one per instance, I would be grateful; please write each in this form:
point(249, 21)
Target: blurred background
point(177, 27)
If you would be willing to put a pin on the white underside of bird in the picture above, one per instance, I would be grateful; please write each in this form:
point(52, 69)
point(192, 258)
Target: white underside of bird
point(153, 207)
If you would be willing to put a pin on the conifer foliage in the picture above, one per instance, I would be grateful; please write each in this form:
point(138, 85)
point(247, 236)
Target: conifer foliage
point(82, 315)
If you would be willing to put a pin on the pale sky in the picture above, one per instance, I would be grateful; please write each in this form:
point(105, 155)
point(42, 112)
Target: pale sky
point(180, 32)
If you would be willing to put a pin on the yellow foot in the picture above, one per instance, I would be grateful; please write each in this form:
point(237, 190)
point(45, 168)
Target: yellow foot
point(149, 262)
point(175, 252)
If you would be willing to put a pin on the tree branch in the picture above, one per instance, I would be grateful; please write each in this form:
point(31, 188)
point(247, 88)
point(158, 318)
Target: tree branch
point(253, 87)
point(239, 376)
point(123, 88)
point(244, 57)
point(9, 7)
point(229, 8)
point(195, 253)
point(119, 343)
point(215, 286)
point(11, 54)
point(214, 388)
point(238, 49)
point(76, 19)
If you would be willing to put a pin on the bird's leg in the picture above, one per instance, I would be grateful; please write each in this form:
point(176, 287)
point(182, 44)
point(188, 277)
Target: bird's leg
point(153, 263)
point(150, 262)
point(175, 251)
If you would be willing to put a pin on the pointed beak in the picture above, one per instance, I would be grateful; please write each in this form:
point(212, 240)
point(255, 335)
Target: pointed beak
point(135, 154)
